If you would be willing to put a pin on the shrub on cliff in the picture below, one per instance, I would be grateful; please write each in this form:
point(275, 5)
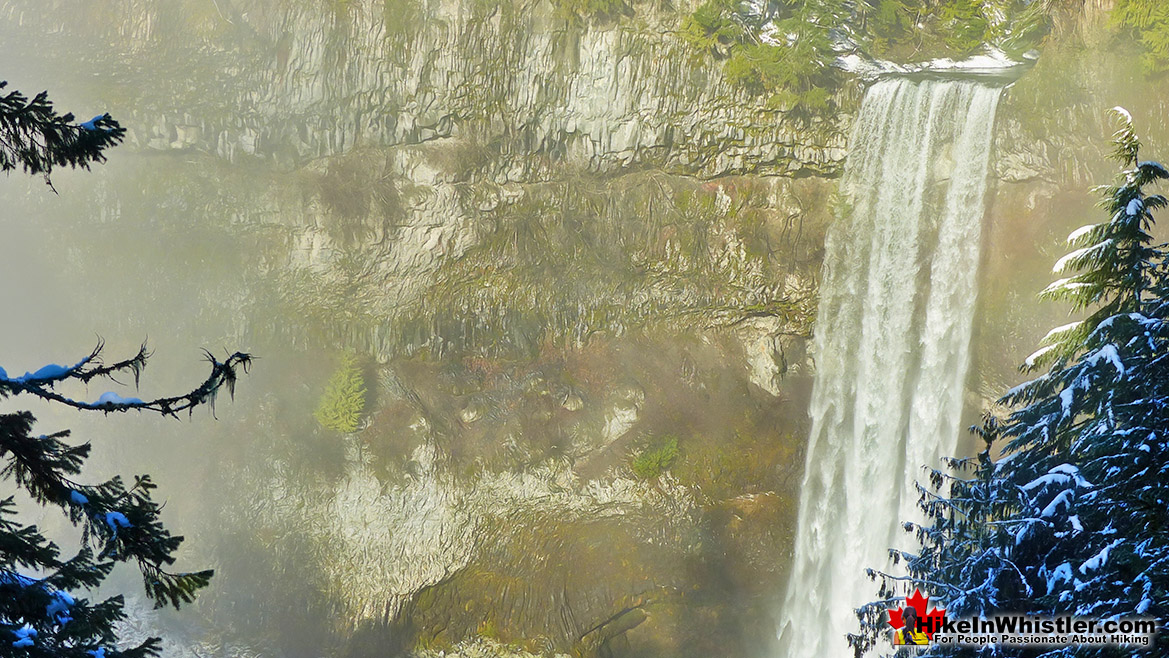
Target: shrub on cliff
point(343, 402)
point(1148, 22)
point(787, 51)
point(796, 75)
point(916, 31)
point(654, 460)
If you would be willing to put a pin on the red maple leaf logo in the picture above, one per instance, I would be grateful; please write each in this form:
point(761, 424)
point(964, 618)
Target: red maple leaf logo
point(928, 623)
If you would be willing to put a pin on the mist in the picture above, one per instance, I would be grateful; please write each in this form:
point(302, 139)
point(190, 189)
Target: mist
point(578, 265)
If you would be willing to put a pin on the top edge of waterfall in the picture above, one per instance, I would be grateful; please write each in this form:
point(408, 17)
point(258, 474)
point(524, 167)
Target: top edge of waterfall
point(992, 66)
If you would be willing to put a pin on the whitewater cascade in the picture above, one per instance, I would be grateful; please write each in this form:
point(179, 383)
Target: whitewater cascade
point(892, 342)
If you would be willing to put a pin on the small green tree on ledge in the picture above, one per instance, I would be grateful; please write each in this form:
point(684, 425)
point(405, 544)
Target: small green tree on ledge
point(344, 398)
point(655, 459)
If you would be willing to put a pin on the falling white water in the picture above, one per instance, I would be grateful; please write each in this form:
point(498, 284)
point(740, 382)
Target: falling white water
point(892, 343)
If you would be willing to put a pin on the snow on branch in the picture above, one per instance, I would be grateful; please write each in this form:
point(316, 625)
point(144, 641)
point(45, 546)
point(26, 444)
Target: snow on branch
point(1127, 144)
point(41, 383)
point(33, 137)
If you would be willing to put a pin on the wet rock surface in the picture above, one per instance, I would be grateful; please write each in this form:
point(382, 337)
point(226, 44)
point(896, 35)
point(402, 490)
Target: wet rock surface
point(517, 88)
point(555, 244)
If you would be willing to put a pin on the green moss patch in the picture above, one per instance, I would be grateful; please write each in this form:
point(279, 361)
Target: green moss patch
point(654, 460)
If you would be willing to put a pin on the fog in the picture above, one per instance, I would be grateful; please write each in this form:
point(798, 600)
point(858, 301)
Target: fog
point(558, 251)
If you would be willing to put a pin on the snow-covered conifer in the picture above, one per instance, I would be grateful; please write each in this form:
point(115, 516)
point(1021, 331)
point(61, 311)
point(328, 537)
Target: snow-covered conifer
point(1065, 511)
point(43, 610)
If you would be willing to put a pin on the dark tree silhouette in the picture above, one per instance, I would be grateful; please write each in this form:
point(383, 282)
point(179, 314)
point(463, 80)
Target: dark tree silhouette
point(42, 610)
point(36, 139)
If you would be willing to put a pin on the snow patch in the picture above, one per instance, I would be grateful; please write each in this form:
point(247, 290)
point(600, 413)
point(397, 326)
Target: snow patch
point(1157, 168)
point(1064, 499)
point(51, 371)
point(60, 604)
point(992, 61)
point(1030, 361)
point(109, 398)
point(25, 636)
point(1109, 354)
point(116, 520)
point(1061, 574)
point(1062, 263)
point(1061, 329)
point(1081, 232)
point(89, 125)
point(1066, 398)
point(1100, 559)
point(1062, 474)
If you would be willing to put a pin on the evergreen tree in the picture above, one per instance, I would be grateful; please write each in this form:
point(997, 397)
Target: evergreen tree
point(36, 139)
point(344, 398)
point(42, 610)
point(1071, 519)
point(1146, 22)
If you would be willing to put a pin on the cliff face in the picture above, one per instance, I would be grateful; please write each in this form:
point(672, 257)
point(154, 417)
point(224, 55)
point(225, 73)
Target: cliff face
point(542, 89)
point(399, 133)
point(557, 243)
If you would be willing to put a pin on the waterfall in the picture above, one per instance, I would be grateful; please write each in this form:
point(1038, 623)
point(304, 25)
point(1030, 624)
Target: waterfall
point(892, 343)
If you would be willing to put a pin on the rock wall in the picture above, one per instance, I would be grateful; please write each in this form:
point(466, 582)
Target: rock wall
point(376, 140)
point(294, 81)
point(555, 241)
